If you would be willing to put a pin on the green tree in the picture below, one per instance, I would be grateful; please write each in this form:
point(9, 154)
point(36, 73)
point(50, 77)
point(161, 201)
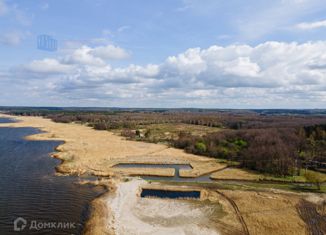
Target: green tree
point(201, 147)
point(314, 178)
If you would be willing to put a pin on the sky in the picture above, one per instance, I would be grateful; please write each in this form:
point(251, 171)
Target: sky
point(164, 54)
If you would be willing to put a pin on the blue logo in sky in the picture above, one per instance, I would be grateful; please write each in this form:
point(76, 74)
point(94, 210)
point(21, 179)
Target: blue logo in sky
point(46, 43)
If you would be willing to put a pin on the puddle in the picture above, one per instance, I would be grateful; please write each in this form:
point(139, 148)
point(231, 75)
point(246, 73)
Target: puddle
point(169, 193)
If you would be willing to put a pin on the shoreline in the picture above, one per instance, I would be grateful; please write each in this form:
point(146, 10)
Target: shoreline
point(95, 222)
point(104, 185)
point(85, 151)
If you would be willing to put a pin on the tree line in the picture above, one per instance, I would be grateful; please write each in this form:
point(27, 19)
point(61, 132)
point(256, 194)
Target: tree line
point(279, 151)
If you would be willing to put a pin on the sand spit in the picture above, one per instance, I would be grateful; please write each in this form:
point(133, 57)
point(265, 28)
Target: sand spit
point(94, 152)
point(133, 215)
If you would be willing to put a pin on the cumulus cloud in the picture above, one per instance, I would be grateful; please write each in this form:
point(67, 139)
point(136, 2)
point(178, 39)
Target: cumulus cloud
point(109, 52)
point(95, 56)
point(48, 66)
point(311, 25)
point(83, 56)
point(271, 64)
point(241, 67)
point(249, 76)
point(189, 62)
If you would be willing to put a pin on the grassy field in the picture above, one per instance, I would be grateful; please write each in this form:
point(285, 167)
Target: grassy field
point(244, 174)
point(234, 172)
point(173, 129)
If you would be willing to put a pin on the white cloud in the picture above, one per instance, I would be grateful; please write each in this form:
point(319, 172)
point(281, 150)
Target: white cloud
point(241, 67)
point(248, 76)
point(48, 66)
point(311, 25)
point(109, 52)
point(189, 62)
point(271, 64)
point(95, 56)
point(83, 55)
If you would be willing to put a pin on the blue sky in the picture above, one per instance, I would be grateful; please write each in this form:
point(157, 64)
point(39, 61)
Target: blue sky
point(171, 53)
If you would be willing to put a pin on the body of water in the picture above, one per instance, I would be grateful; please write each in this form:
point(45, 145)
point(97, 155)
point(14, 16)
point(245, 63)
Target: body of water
point(6, 120)
point(30, 189)
point(169, 193)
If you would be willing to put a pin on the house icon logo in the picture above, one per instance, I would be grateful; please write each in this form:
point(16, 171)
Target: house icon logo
point(19, 224)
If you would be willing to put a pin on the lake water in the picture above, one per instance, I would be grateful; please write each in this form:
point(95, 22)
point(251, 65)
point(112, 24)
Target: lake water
point(6, 120)
point(30, 189)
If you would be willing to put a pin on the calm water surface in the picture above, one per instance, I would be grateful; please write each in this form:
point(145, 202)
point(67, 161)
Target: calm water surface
point(169, 194)
point(30, 189)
